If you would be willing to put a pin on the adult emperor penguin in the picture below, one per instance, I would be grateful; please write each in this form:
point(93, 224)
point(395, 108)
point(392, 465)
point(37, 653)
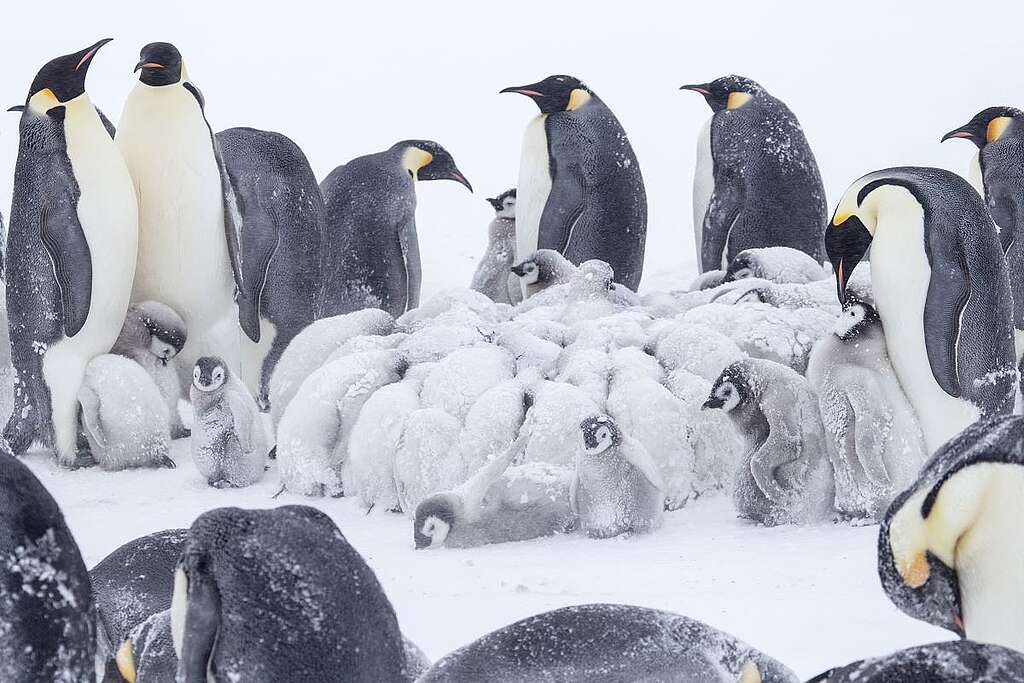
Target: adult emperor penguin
point(371, 253)
point(757, 183)
point(271, 596)
point(580, 190)
point(950, 551)
point(48, 633)
point(602, 643)
point(998, 133)
point(70, 253)
point(188, 241)
point(956, 661)
point(941, 289)
point(282, 223)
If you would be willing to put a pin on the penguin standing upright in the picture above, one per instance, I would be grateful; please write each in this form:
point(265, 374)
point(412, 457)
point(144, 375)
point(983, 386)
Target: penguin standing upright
point(70, 253)
point(580, 189)
point(999, 134)
point(371, 253)
point(941, 289)
point(765, 187)
point(188, 241)
point(950, 551)
point(49, 632)
point(492, 276)
point(282, 223)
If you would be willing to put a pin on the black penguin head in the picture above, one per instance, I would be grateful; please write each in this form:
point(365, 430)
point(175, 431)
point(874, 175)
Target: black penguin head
point(924, 588)
point(599, 433)
point(556, 93)
point(727, 92)
point(61, 80)
point(848, 236)
point(210, 374)
point(427, 160)
point(160, 64)
point(434, 519)
point(987, 126)
point(730, 389)
point(857, 316)
point(504, 204)
point(741, 267)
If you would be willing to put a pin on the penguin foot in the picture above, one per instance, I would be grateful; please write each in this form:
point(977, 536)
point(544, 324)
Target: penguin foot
point(166, 462)
point(181, 433)
point(221, 484)
point(82, 460)
point(272, 455)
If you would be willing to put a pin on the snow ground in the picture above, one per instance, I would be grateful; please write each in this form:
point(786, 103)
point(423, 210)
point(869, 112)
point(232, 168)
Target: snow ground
point(808, 596)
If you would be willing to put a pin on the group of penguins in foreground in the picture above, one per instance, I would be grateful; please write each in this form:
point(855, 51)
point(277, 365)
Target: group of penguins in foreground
point(162, 255)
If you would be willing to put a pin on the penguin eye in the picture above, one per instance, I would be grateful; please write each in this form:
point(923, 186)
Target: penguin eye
point(196, 374)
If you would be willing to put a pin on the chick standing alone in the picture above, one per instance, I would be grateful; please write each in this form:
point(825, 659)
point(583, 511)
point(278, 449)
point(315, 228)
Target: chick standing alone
point(492, 276)
point(229, 444)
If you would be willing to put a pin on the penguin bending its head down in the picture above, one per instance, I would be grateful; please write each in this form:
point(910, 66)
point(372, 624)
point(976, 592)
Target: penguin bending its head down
point(617, 487)
point(70, 253)
point(152, 335)
point(268, 596)
point(282, 216)
point(604, 643)
point(371, 253)
point(941, 288)
point(998, 133)
point(580, 189)
point(757, 175)
point(492, 275)
point(49, 631)
point(949, 549)
point(188, 255)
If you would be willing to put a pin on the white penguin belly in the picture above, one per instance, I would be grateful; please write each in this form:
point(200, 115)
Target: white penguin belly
point(974, 176)
point(990, 564)
point(900, 274)
point(534, 187)
point(703, 186)
point(108, 214)
point(183, 257)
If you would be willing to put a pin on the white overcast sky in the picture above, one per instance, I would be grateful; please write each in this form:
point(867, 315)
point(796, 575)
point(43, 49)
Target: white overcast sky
point(875, 84)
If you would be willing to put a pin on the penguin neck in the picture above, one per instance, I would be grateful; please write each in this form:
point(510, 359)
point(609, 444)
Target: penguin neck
point(990, 564)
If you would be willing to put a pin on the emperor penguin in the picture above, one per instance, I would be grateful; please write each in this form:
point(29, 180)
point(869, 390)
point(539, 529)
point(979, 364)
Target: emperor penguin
point(998, 133)
point(765, 187)
point(949, 548)
point(941, 288)
point(147, 654)
point(371, 252)
point(617, 487)
point(188, 253)
point(279, 595)
point(49, 631)
point(282, 224)
point(603, 643)
point(70, 253)
point(954, 661)
point(580, 189)
point(492, 276)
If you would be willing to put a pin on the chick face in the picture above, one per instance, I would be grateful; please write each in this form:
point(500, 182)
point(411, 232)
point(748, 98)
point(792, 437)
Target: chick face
point(434, 519)
point(210, 374)
point(599, 433)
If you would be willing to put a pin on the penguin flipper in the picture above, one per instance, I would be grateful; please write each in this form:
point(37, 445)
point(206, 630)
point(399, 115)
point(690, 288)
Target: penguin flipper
point(722, 214)
point(948, 293)
point(232, 216)
point(242, 416)
point(65, 243)
point(563, 210)
point(261, 238)
point(409, 241)
point(636, 455)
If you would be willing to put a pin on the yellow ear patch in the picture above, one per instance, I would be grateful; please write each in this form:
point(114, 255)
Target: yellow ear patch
point(737, 100)
point(415, 158)
point(749, 673)
point(915, 572)
point(841, 217)
point(125, 660)
point(996, 127)
point(577, 98)
point(43, 101)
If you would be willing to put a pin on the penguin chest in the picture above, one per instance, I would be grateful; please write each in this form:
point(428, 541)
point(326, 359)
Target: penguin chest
point(990, 563)
point(703, 184)
point(183, 256)
point(534, 187)
point(108, 215)
point(900, 275)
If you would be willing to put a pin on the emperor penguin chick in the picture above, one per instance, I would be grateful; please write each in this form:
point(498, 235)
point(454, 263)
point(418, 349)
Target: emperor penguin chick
point(784, 476)
point(542, 269)
point(152, 335)
point(493, 276)
point(123, 415)
point(229, 444)
point(874, 440)
point(617, 487)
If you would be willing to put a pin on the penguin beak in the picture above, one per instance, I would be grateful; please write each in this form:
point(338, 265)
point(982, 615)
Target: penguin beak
point(457, 176)
point(17, 107)
point(90, 52)
point(148, 65)
point(957, 134)
point(712, 403)
point(528, 90)
point(701, 88)
point(518, 270)
point(846, 244)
